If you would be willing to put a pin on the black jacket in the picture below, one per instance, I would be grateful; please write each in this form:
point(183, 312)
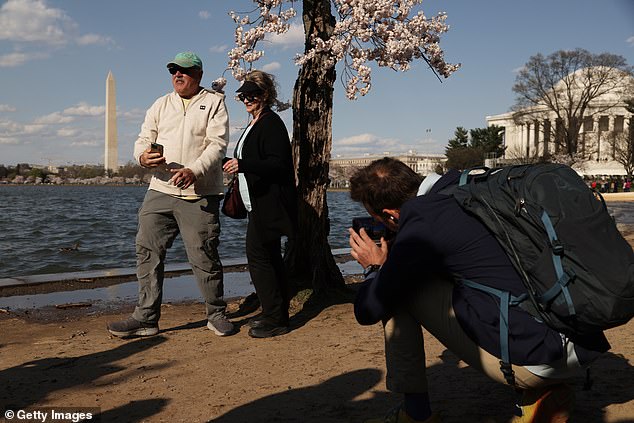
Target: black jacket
point(267, 165)
point(437, 237)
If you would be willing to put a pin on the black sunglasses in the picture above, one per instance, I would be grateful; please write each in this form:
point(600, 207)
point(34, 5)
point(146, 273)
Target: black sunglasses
point(247, 97)
point(184, 71)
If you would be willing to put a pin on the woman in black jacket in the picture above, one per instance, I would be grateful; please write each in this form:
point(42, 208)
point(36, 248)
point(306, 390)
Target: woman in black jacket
point(264, 164)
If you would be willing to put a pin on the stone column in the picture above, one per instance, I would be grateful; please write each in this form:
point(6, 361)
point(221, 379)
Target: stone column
point(536, 137)
point(596, 124)
point(546, 130)
point(612, 134)
point(528, 140)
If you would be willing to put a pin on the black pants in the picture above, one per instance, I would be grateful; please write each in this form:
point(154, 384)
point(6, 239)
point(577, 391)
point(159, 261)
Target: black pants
point(266, 268)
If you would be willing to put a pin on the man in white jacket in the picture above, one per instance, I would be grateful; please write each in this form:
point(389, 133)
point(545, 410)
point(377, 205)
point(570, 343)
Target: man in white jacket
point(184, 138)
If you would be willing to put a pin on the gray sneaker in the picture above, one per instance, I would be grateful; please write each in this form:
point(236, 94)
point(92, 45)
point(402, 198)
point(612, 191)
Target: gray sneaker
point(221, 326)
point(132, 327)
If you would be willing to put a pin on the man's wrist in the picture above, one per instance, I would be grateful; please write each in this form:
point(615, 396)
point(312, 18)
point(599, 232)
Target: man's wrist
point(371, 268)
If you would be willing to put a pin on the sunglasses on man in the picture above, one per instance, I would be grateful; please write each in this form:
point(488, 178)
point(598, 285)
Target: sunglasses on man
point(184, 71)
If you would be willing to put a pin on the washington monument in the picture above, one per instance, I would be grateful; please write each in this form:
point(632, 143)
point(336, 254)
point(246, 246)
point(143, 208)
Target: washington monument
point(110, 158)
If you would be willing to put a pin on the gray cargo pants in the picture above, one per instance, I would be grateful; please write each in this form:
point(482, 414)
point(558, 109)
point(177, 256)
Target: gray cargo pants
point(161, 218)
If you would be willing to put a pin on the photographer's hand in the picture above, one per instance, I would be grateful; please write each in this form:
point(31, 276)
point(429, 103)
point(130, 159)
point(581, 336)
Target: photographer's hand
point(364, 249)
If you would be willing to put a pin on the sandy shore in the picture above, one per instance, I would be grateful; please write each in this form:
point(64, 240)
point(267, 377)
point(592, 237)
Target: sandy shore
point(327, 369)
point(619, 196)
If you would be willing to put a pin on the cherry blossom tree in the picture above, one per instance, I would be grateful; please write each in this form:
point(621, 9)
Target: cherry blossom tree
point(387, 33)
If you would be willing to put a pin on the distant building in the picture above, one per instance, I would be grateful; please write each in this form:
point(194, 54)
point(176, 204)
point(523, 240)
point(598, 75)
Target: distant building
point(532, 133)
point(111, 158)
point(342, 168)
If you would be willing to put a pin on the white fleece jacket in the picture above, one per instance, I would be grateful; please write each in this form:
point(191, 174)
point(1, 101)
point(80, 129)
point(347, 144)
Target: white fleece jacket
point(195, 138)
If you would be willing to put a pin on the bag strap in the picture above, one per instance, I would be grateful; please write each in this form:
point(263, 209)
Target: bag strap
point(563, 278)
point(506, 301)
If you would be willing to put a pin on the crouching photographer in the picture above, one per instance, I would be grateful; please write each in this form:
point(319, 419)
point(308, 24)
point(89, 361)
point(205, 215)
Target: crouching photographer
point(415, 283)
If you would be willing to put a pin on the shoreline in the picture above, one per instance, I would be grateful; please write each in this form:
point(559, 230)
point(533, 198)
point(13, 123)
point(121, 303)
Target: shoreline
point(618, 196)
point(328, 369)
point(55, 282)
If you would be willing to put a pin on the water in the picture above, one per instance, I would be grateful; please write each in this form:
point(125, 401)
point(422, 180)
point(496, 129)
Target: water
point(41, 225)
point(38, 222)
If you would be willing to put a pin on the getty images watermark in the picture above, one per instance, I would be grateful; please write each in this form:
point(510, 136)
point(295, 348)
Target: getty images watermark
point(53, 414)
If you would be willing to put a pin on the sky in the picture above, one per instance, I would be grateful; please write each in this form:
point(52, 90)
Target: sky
point(55, 57)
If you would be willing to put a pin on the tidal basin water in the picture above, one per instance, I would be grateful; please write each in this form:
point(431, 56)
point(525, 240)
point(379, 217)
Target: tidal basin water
point(60, 229)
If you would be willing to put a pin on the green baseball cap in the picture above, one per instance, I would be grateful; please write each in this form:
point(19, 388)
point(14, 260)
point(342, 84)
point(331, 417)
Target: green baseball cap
point(186, 59)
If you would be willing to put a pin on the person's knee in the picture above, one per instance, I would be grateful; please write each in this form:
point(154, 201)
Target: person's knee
point(146, 254)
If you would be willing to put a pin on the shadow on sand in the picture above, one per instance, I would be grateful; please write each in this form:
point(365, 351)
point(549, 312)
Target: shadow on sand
point(30, 383)
point(331, 401)
point(459, 393)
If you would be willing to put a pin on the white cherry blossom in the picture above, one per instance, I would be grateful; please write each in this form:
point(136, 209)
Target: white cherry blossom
point(380, 31)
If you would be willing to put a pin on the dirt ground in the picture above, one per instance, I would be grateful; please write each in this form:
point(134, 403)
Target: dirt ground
point(327, 369)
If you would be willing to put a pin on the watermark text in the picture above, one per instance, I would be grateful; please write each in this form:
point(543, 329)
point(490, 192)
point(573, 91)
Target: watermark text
point(53, 414)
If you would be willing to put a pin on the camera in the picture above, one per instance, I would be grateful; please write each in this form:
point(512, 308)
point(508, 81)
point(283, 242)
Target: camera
point(156, 147)
point(375, 230)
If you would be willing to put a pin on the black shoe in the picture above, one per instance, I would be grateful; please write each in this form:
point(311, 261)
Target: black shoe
point(267, 330)
point(257, 323)
point(260, 320)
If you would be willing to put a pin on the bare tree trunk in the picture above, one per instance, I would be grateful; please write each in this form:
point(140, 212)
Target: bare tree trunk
point(310, 257)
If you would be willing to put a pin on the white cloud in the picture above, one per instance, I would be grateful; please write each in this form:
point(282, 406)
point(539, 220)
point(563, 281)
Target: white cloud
point(84, 109)
point(630, 41)
point(92, 143)
point(53, 118)
point(361, 139)
point(67, 132)
point(292, 39)
point(34, 128)
point(204, 15)
point(371, 144)
point(8, 140)
point(133, 115)
point(94, 39)
point(271, 67)
point(19, 58)
point(34, 21)
point(9, 126)
point(7, 108)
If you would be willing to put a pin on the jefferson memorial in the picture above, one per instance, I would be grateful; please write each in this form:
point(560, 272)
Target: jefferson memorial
point(534, 132)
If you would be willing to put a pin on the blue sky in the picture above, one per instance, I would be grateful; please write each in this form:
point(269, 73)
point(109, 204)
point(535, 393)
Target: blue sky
point(55, 56)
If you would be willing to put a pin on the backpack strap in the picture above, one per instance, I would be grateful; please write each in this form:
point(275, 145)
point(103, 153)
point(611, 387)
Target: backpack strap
point(563, 278)
point(506, 300)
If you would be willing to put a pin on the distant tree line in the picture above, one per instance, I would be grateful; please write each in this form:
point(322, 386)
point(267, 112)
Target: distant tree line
point(27, 171)
point(470, 148)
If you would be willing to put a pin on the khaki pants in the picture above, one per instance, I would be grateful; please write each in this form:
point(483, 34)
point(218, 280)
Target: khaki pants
point(161, 218)
point(432, 308)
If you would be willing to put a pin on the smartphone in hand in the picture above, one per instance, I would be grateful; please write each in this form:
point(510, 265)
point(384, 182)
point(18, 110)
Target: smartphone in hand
point(156, 148)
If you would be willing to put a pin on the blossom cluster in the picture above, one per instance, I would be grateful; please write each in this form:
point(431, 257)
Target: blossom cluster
point(271, 18)
point(380, 31)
